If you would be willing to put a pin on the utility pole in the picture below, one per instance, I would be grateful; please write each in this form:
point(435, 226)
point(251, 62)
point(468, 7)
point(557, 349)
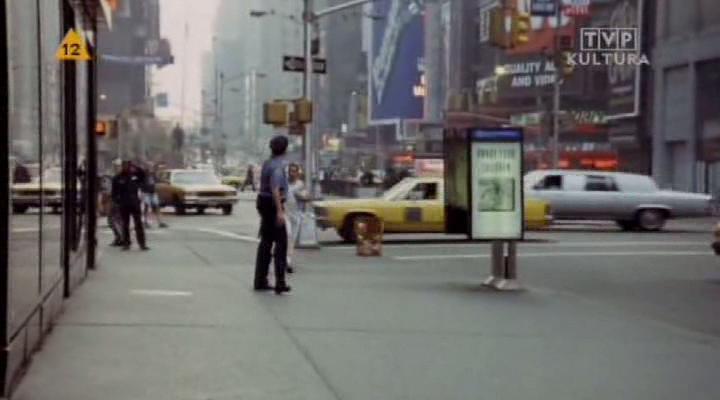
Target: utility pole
point(556, 89)
point(309, 20)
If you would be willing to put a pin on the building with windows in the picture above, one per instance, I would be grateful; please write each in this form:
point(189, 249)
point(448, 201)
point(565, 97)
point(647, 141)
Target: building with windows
point(490, 85)
point(48, 217)
point(686, 80)
point(128, 54)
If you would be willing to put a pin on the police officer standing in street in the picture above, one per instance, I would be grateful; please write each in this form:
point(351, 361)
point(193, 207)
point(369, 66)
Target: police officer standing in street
point(271, 207)
point(126, 194)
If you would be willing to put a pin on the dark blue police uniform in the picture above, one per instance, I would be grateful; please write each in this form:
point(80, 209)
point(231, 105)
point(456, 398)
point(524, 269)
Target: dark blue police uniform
point(273, 176)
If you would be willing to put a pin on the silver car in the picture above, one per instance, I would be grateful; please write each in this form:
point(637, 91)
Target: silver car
point(633, 201)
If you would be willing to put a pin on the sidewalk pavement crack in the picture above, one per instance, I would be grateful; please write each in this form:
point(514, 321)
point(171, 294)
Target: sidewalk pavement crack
point(141, 325)
point(308, 357)
point(197, 254)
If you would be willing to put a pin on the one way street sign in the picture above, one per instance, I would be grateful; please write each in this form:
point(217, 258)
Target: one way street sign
point(297, 64)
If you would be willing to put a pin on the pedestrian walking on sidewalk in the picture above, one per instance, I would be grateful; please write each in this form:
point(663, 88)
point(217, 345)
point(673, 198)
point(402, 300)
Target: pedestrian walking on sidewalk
point(294, 210)
point(151, 202)
point(249, 178)
point(271, 207)
point(126, 193)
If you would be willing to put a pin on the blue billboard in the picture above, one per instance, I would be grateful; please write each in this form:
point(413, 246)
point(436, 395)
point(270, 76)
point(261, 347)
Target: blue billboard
point(396, 60)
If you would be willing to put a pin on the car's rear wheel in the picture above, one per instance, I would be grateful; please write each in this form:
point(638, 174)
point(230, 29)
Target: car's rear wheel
point(227, 209)
point(627, 225)
point(347, 232)
point(201, 210)
point(651, 219)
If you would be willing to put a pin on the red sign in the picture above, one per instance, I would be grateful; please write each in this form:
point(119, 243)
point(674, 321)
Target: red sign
point(576, 8)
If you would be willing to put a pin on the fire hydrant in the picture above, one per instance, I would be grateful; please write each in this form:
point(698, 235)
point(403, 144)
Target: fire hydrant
point(716, 243)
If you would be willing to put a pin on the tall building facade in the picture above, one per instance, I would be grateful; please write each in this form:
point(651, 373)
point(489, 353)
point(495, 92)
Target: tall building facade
point(686, 123)
point(250, 40)
point(604, 120)
point(128, 54)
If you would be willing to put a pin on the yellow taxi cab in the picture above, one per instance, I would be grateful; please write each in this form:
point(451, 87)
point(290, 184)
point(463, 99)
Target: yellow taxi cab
point(235, 177)
point(414, 205)
point(196, 189)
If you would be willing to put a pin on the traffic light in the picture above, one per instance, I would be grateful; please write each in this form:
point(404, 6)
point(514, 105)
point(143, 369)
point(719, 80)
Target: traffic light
point(303, 111)
point(101, 128)
point(520, 29)
point(275, 113)
point(567, 67)
point(498, 35)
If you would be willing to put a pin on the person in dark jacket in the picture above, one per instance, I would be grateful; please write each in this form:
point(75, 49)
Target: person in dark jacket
point(271, 207)
point(126, 194)
point(114, 218)
point(249, 178)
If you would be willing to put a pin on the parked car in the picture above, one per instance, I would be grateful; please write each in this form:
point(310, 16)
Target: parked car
point(633, 201)
point(26, 195)
point(414, 205)
point(197, 189)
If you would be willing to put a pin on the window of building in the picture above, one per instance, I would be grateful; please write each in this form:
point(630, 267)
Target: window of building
point(710, 14)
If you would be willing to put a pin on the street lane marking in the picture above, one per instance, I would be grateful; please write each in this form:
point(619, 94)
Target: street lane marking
point(534, 244)
point(162, 293)
point(229, 235)
point(560, 254)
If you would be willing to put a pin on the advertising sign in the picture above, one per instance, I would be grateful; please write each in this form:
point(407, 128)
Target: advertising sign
point(543, 8)
point(396, 60)
point(496, 157)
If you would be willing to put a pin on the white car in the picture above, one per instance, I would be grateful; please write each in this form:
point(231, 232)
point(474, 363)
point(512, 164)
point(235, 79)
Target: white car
point(633, 201)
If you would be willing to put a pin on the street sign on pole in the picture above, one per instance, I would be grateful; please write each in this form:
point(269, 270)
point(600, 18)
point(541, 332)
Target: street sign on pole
point(543, 8)
point(297, 64)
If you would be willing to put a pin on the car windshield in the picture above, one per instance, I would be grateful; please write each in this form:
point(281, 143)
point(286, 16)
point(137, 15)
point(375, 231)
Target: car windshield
point(397, 191)
point(195, 178)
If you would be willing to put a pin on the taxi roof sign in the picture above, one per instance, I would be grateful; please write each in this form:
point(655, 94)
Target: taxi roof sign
point(73, 48)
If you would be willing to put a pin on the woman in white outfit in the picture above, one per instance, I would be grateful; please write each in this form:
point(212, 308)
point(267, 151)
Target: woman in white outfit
point(293, 210)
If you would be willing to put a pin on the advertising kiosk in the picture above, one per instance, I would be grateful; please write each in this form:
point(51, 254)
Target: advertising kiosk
point(484, 196)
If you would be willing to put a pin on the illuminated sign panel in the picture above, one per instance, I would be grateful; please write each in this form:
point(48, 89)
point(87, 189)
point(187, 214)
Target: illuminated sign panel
point(496, 184)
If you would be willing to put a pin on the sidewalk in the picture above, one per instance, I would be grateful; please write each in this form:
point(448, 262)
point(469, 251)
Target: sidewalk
point(167, 324)
point(181, 322)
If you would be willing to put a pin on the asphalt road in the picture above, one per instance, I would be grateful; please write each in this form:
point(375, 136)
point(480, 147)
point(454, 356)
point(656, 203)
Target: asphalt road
point(604, 315)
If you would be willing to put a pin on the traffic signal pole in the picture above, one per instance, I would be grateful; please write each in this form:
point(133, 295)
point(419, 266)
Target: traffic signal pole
point(310, 18)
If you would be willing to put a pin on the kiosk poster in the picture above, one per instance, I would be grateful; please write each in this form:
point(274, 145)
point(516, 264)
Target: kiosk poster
point(496, 184)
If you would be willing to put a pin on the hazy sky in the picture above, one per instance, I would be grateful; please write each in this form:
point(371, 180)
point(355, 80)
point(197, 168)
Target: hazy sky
point(199, 17)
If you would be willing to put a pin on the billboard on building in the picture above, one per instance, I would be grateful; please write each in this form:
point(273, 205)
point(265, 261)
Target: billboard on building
point(395, 61)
